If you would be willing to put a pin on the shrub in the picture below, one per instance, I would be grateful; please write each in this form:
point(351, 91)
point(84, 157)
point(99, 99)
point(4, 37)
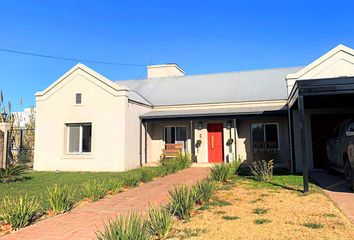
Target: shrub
point(11, 173)
point(204, 190)
point(184, 160)
point(236, 164)
point(19, 211)
point(262, 170)
point(60, 199)
point(160, 222)
point(221, 172)
point(132, 180)
point(94, 190)
point(130, 227)
point(180, 162)
point(182, 201)
point(147, 175)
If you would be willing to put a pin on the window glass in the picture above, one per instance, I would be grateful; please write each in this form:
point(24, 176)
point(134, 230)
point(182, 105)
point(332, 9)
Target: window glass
point(86, 138)
point(351, 127)
point(74, 139)
point(181, 134)
point(271, 135)
point(79, 138)
point(78, 98)
point(169, 135)
point(257, 135)
point(264, 135)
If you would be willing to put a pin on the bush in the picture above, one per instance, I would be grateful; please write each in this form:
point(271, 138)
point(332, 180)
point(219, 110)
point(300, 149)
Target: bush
point(184, 160)
point(222, 172)
point(94, 190)
point(236, 164)
point(180, 162)
point(130, 227)
point(11, 173)
point(60, 199)
point(262, 170)
point(160, 222)
point(132, 180)
point(204, 191)
point(182, 201)
point(19, 211)
point(147, 175)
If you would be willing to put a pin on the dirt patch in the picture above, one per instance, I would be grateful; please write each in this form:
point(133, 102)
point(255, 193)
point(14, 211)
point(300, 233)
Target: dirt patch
point(288, 215)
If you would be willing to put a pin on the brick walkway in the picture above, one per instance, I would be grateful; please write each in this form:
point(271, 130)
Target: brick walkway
point(82, 222)
point(334, 187)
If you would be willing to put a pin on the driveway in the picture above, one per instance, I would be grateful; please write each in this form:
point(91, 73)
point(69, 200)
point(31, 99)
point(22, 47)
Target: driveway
point(334, 187)
point(82, 222)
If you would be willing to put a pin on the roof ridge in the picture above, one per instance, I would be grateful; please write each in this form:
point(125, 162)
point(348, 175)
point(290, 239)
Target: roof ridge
point(209, 74)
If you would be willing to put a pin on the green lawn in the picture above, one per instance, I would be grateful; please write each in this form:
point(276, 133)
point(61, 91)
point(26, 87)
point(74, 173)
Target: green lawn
point(36, 183)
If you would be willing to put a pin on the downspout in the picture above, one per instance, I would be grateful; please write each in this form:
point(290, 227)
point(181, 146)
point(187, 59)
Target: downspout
point(141, 143)
point(145, 142)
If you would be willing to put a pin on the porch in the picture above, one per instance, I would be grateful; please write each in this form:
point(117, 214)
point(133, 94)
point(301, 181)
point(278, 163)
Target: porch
point(215, 136)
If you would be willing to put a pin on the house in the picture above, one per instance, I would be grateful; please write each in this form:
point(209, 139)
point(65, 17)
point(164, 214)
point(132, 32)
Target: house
point(86, 122)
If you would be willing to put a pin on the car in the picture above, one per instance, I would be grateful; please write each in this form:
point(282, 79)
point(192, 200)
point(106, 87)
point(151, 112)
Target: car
point(340, 150)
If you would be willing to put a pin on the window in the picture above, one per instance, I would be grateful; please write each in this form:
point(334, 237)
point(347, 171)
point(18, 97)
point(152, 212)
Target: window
point(264, 136)
point(78, 98)
point(176, 135)
point(79, 138)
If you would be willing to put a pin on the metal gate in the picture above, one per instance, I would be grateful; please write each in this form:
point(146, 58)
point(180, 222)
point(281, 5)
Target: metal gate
point(20, 146)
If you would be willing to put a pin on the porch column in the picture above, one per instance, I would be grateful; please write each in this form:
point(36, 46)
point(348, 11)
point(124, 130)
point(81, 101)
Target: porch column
point(192, 140)
point(236, 137)
point(303, 142)
point(291, 144)
point(4, 128)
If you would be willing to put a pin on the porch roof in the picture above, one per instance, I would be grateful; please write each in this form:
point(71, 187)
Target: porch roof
point(214, 112)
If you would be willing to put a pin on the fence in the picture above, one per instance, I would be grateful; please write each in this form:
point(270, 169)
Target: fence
point(20, 146)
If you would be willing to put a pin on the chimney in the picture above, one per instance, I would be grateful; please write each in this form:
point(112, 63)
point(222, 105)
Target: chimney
point(164, 70)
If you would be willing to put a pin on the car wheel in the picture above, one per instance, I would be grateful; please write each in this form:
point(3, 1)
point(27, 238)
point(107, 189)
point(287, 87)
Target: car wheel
point(348, 172)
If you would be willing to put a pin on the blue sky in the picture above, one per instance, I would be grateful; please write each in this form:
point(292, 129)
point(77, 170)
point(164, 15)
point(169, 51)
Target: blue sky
point(200, 36)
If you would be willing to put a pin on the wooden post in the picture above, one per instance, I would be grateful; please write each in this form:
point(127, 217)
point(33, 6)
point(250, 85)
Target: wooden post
point(303, 142)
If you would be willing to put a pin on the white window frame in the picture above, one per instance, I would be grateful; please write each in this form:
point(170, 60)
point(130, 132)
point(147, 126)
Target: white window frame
point(264, 134)
point(176, 126)
point(80, 138)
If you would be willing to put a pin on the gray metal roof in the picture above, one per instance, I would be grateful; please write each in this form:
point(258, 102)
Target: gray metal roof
point(255, 85)
point(212, 112)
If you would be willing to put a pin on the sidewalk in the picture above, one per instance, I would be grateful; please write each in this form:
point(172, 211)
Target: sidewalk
point(82, 222)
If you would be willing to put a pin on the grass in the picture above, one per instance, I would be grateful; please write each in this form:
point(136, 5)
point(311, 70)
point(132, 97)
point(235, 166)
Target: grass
point(291, 182)
point(34, 184)
point(219, 212)
point(313, 225)
point(230, 218)
point(219, 203)
point(260, 211)
point(329, 215)
point(262, 221)
point(186, 233)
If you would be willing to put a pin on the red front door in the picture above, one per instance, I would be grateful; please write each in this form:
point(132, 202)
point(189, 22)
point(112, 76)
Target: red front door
point(215, 145)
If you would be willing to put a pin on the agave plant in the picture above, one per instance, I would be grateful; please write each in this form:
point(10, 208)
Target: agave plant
point(19, 211)
point(130, 227)
point(60, 199)
point(11, 172)
point(160, 222)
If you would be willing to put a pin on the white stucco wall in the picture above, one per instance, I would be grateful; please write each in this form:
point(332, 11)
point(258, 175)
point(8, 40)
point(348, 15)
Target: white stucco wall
point(102, 105)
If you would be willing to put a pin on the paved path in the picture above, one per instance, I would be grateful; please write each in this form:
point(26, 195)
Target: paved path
point(82, 222)
point(334, 187)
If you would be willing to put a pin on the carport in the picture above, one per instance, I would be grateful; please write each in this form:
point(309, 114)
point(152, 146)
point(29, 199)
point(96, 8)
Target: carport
point(316, 106)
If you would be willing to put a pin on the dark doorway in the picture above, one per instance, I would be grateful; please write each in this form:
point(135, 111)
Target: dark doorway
point(322, 127)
